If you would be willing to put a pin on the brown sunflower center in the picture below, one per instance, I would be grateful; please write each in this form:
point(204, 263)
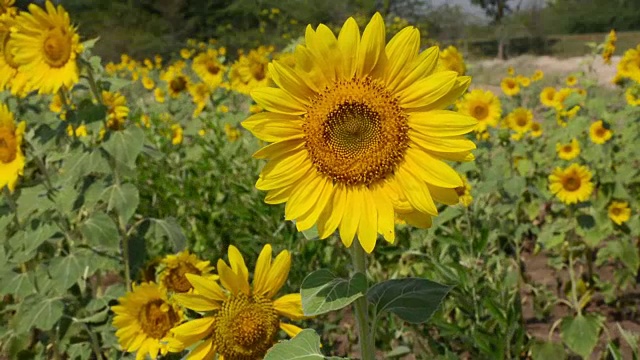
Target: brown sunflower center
point(157, 318)
point(601, 132)
point(57, 47)
point(175, 280)
point(8, 145)
point(480, 112)
point(511, 84)
point(258, 71)
point(571, 183)
point(567, 148)
point(212, 68)
point(355, 132)
point(616, 211)
point(246, 327)
point(178, 84)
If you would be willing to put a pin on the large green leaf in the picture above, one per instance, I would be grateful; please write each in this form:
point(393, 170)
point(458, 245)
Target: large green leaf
point(170, 229)
point(66, 271)
point(322, 291)
point(39, 312)
point(125, 146)
point(581, 333)
point(101, 232)
point(304, 346)
point(123, 198)
point(413, 300)
point(16, 284)
point(547, 351)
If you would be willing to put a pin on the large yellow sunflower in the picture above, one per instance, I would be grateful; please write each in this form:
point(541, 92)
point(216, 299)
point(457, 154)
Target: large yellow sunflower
point(207, 66)
point(359, 133)
point(11, 156)
point(174, 268)
point(143, 318)
point(572, 184)
point(10, 78)
point(619, 212)
point(598, 133)
point(569, 150)
point(46, 47)
point(240, 321)
point(482, 105)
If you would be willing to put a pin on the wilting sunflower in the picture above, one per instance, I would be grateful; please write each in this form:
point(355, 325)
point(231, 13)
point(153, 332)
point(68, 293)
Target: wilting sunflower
point(520, 120)
point(598, 133)
point(510, 86)
point(46, 47)
point(451, 60)
point(569, 150)
point(11, 156)
point(117, 110)
point(547, 97)
point(207, 66)
point(359, 133)
point(174, 268)
point(482, 105)
point(240, 321)
point(619, 212)
point(572, 184)
point(143, 318)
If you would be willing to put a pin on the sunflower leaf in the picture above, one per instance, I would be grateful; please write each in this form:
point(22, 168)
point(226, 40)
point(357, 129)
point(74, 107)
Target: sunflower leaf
point(323, 292)
point(304, 346)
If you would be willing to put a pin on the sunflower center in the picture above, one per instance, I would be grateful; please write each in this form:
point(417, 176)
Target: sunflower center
point(571, 183)
point(176, 279)
point(246, 327)
point(57, 47)
point(212, 68)
point(616, 211)
point(521, 121)
point(258, 71)
point(567, 148)
point(178, 84)
point(600, 132)
point(8, 145)
point(355, 132)
point(480, 112)
point(157, 318)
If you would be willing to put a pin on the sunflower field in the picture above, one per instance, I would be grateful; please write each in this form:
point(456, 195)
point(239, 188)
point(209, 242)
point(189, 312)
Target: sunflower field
point(354, 195)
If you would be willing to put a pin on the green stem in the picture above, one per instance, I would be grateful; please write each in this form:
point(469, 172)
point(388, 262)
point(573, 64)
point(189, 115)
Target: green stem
point(574, 291)
point(365, 336)
point(94, 85)
point(12, 205)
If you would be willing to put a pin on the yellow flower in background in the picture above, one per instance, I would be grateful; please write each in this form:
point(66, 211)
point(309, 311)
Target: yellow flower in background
point(482, 105)
point(222, 108)
point(10, 78)
point(80, 131)
point(145, 120)
point(143, 318)
point(520, 120)
point(598, 133)
point(232, 132)
point(560, 97)
point(207, 66)
point(609, 47)
point(523, 81)
point(255, 108)
point(536, 129)
point(46, 46)
point(185, 54)
point(510, 86)
point(286, 58)
point(7, 8)
point(175, 267)
point(158, 61)
point(117, 110)
point(619, 212)
point(148, 83)
point(56, 103)
point(569, 150)
point(572, 184)
point(241, 321)
point(571, 80)
point(537, 75)
point(177, 134)
point(11, 157)
point(177, 82)
point(250, 71)
point(464, 192)
point(511, 71)
point(451, 60)
point(159, 95)
point(629, 65)
point(632, 95)
point(547, 97)
point(200, 96)
point(357, 139)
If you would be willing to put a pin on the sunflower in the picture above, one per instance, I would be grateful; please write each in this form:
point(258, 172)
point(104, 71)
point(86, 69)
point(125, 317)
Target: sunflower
point(547, 97)
point(510, 86)
point(143, 318)
point(177, 82)
point(173, 270)
point(482, 105)
point(571, 80)
point(232, 132)
point(560, 97)
point(619, 212)
point(10, 78)
point(200, 96)
point(250, 71)
point(465, 193)
point(7, 8)
point(451, 60)
point(520, 120)
point(240, 321)
point(537, 75)
point(148, 83)
point(207, 66)
point(359, 133)
point(511, 71)
point(185, 53)
point(598, 133)
point(569, 150)
point(11, 157)
point(629, 65)
point(159, 95)
point(536, 129)
point(117, 110)
point(177, 134)
point(523, 81)
point(572, 184)
point(46, 47)
point(632, 95)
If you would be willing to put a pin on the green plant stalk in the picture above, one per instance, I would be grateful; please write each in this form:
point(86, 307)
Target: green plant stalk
point(365, 336)
point(12, 205)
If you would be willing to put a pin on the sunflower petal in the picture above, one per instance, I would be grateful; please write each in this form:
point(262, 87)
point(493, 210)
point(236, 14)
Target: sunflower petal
point(237, 263)
point(290, 306)
point(278, 274)
point(277, 101)
point(349, 42)
point(351, 217)
point(371, 50)
point(206, 287)
point(263, 267)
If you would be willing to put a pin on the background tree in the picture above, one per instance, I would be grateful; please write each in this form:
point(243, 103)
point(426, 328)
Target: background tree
point(496, 10)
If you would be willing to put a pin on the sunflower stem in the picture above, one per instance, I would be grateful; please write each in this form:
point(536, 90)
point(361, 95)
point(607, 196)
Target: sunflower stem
point(365, 336)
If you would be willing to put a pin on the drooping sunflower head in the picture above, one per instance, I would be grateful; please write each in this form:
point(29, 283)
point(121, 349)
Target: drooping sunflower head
point(547, 97)
point(240, 321)
point(46, 48)
point(174, 268)
point(359, 132)
point(520, 120)
point(569, 150)
point(143, 319)
point(599, 132)
point(484, 106)
point(451, 60)
point(510, 86)
point(619, 212)
point(11, 157)
point(117, 109)
point(572, 184)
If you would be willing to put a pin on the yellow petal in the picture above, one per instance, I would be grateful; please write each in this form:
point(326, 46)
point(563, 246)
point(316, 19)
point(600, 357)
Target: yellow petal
point(421, 67)
point(278, 274)
point(371, 50)
point(417, 219)
point(206, 287)
point(330, 217)
point(275, 149)
point(193, 330)
point(401, 50)
point(290, 329)
point(277, 100)
point(273, 127)
point(304, 195)
point(441, 123)
point(232, 281)
point(453, 144)
point(431, 170)
point(273, 182)
point(428, 90)
point(368, 226)
point(196, 302)
point(325, 191)
point(416, 192)
point(386, 216)
point(443, 195)
point(351, 216)
point(237, 263)
point(458, 89)
point(290, 306)
point(278, 196)
point(289, 81)
point(349, 42)
point(202, 351)
point(263, 267)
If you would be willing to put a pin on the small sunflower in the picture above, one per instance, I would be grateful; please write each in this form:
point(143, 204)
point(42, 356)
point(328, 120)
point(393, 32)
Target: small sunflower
point(536, 129)
point(560, 97)
point(523, 81)
point(609, 47)
point(148, 83)
point(250, 71)
point(11, 157)
point(200, 94)
point(143, 318)
point(599, 133)
point(177, 134)
point(547, 97)
point(174, 268)
point(232, 132)
point(632, 95)
point(482, 105)
point(240, 321)
point(572, 184)
point(520, 120)
point(568, 151)
point(510, 86)
point(511, 71)
point(207, 66)
point(571, 80)
point(451, 60)
point(464, 192)
point(117, 110)
point(159, 95)
point(46, 47)
point(619, 212)
point(177, 82)
point(537, 75)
